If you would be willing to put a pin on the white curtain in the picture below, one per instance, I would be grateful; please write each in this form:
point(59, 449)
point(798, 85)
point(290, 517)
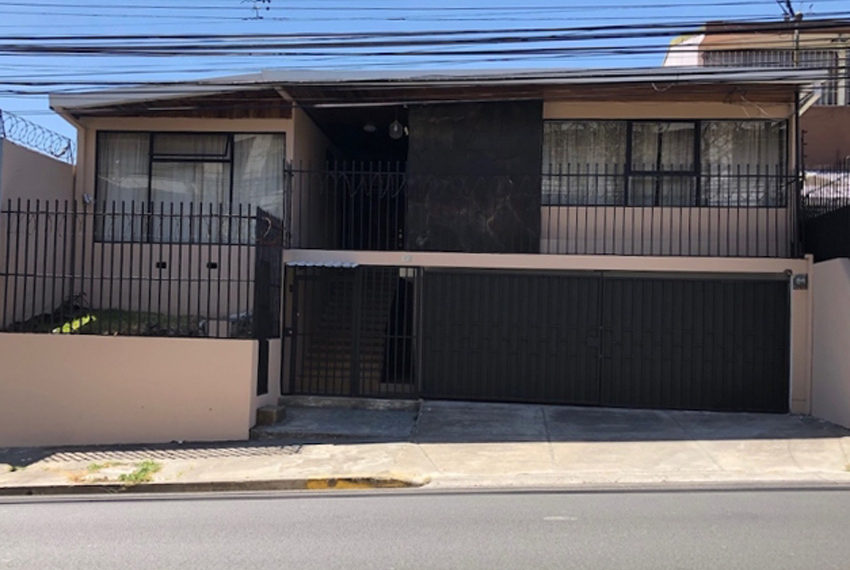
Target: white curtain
point(258, 171)
point(192, 171)
point(122, 185)
point(743, 163)
point(583, 162)
point(258, 178)
point(662, 147)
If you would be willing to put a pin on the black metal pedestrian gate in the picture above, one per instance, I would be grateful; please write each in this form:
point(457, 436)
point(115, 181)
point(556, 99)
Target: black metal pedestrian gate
point(352, 331)
point(707, 342)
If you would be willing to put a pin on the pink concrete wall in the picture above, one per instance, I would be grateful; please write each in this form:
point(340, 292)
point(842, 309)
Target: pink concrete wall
point(60, 389)
point(27, 174)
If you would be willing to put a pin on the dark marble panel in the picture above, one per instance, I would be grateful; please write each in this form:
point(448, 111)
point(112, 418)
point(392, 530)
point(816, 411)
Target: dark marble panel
point(474, 177)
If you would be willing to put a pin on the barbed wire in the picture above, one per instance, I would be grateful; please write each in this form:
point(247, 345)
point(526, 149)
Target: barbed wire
point(26, 133)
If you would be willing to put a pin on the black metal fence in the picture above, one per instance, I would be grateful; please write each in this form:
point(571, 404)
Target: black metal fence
point(582, 210)
point(826, 188)
point(826, 211)
point(140, 269)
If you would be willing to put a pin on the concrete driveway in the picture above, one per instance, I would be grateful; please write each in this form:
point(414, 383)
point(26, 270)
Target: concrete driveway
point(505, 444)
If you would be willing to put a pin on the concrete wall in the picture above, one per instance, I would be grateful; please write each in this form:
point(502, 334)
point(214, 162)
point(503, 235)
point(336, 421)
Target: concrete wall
point(30, 175)
point(42, 180)
point(59, 389)
point(831, 341)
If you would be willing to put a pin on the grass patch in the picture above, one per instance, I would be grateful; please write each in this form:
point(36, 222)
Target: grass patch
point(113, 322)
point(142, 474)
point(95, 467)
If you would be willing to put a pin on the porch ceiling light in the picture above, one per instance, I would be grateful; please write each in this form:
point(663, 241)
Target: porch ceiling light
point(396, 130)
point(370, 127)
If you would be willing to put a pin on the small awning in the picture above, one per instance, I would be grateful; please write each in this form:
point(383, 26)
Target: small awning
point(334, 264)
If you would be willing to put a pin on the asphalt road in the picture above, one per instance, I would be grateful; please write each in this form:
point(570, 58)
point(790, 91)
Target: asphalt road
point(731, 529)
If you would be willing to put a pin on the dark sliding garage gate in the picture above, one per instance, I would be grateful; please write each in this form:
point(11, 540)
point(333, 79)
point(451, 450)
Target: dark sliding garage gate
point(634, 340)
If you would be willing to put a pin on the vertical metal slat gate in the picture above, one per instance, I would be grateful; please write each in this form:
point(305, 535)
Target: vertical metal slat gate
point(701, 342)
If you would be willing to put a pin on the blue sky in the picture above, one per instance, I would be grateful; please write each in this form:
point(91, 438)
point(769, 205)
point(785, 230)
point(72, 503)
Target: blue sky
point(32, 19)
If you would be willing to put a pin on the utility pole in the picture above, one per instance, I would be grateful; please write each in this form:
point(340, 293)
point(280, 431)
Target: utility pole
point(791, 15)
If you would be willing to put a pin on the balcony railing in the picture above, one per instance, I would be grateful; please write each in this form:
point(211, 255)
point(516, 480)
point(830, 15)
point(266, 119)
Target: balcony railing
point(834, 90)
point(741, 212)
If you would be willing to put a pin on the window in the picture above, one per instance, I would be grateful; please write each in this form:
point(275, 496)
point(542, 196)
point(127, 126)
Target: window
point(185, 170)
point(583, 162)
point(664, 163)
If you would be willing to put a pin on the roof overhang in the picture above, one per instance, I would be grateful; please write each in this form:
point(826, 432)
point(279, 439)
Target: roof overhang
point(352, 88)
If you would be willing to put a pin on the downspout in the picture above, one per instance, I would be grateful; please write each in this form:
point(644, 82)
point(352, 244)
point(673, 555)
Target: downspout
point(799, 172)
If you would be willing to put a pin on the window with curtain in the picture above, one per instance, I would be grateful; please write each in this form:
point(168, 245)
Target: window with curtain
point(172, 172)
point(664, 163)
point(583, 162)
point(743, 163)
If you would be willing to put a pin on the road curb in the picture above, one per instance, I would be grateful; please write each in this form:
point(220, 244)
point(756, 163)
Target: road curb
point(302, 484)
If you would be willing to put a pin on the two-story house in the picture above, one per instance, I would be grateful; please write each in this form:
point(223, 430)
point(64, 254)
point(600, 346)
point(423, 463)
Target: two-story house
point(605, 237)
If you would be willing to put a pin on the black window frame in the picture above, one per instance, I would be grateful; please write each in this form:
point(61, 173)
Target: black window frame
point(660, 174)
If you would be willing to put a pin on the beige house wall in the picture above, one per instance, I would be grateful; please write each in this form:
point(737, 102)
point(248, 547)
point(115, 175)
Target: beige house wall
point(800, 333)
point(831, 341)
point(314, 209)
point(61, 390)
point(748, 232)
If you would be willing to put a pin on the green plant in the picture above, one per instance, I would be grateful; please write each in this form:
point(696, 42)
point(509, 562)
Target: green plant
point(143, 473)
point(95, 467)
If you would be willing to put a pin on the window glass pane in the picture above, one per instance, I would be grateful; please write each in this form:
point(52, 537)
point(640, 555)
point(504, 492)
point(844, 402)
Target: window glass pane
point(583, 162)
point(189, 146)
point(122, 178)
point(666, 190)
point(258, 172)
point(202, 184)
point(663, 147)
point(743, 163)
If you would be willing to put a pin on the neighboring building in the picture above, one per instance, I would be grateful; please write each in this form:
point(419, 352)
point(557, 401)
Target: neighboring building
point(612, 237)
point(818, 44)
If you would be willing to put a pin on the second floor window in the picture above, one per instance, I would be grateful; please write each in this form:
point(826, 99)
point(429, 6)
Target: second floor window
point(665, 163)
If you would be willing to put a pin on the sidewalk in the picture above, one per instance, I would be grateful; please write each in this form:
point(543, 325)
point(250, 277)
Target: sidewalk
point(459, 445)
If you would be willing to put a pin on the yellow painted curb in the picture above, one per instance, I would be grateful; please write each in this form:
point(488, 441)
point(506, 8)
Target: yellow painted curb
point(325, 483)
